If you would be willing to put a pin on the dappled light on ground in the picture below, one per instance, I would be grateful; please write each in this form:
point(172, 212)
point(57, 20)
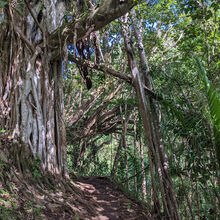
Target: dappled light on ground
point(111, 203)
point(41, 195)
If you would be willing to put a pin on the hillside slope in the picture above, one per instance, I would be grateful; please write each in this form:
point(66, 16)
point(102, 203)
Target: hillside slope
point(37, 195)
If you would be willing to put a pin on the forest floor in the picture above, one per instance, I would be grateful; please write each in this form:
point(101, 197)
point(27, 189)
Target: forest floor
point(111, 202)
point(99, 200)
point(38, 196)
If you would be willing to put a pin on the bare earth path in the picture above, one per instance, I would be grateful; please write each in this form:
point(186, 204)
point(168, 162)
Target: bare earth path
point(50, 197)
point(110, 202)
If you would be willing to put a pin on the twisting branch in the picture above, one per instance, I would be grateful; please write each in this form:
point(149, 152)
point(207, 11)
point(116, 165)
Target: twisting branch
point(23, 38)
point(96, 19)
point(112, 72)
point(101, 68)
point(152, 94)
point(33, 16)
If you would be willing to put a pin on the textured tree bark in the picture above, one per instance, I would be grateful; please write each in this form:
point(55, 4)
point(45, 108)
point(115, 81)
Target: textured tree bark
point(116, 159)
point(125, 150)
point(122, 143)
point(135, 155)
point(32, 46)
point(151, 127)
point(31, 89)
point(143, 183)
point(155, 115)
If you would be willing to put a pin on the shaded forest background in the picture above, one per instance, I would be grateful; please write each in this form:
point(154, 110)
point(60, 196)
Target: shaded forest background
point(175, 46)
point(104, 126)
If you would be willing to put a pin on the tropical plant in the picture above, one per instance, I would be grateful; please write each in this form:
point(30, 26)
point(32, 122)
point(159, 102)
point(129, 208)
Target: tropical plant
point(214, 106)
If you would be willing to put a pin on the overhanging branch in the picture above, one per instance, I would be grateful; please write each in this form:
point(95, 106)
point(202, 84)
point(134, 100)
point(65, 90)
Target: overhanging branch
point(112, 72)
point(92, 20)
point(100, 67)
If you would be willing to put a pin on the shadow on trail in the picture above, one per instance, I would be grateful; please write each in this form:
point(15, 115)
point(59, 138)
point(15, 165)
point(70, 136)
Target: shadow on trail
point(110, 202)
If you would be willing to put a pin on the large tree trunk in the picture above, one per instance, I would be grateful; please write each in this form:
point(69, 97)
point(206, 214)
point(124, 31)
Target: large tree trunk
point(151, 127)
point(33, 43)
point(155, 113)
point(31, 101)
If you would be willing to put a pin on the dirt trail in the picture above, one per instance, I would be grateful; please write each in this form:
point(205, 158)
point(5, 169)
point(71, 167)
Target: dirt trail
point(50, 197)
point(110, 202)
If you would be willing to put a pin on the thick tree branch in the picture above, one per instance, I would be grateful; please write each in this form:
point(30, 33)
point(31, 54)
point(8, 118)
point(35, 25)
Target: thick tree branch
point(84, 108)
point(112, 72)
point(99, 67)
point(152, 94)
point(92, 20)
point(33, 16)
point(24, 39)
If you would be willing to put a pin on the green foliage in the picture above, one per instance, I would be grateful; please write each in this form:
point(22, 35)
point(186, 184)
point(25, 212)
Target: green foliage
point(32, 209)
point(214, 106)
point(186, 118)
point(7, 213)
point(8, 206)
point(36, 167)
point(3, 4)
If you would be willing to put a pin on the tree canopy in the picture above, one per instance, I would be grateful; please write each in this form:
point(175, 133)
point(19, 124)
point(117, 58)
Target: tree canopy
point(120, 88)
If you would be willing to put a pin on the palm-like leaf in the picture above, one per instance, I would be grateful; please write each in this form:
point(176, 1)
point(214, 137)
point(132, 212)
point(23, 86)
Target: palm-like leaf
point(214, 106)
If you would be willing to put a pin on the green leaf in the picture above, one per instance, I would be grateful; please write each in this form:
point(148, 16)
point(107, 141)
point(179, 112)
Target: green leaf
point(3, 4)
point(214, 106)
point(2, 131)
